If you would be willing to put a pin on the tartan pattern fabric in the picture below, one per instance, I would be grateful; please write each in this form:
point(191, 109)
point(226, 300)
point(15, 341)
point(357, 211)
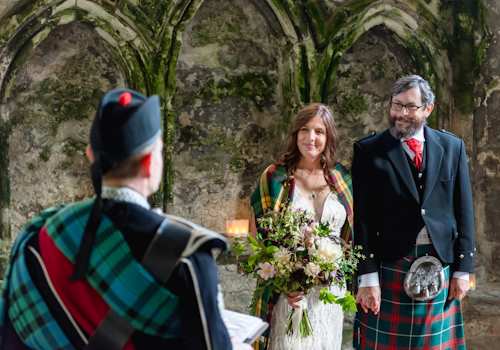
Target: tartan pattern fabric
point(270, 190)
point(22, 302)
point(275, 188)
point(123, 283)
point(342, 181)
point(403, 323)
point(29, 313)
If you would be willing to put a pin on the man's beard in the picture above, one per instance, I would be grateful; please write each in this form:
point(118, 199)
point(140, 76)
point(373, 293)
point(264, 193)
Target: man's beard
point(408, 131)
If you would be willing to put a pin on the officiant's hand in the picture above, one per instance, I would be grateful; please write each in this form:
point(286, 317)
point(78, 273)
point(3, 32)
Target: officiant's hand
point(294, 298)
point(239, 345)
point(369, 299)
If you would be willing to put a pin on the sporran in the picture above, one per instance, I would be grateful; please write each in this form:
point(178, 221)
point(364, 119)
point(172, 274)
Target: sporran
point(425, 279)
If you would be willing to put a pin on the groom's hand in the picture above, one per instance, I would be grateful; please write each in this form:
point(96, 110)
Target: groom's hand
point(369, 299)
point(458, 288)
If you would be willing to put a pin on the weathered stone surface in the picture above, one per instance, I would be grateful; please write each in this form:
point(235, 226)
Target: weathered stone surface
point(361, 94)
point(482, 317)
point(237, 80)
point(228, 106)
point(238, 289)
point(49, 104)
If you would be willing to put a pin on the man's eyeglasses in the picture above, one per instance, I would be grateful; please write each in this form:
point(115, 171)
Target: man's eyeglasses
point(410, 108)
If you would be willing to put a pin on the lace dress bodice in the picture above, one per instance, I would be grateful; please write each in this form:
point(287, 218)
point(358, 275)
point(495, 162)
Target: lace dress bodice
point(333, 212)
point(326, 320)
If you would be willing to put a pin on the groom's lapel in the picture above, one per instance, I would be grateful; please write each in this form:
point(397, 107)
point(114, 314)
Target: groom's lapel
point(434, 156)
point(396, 155)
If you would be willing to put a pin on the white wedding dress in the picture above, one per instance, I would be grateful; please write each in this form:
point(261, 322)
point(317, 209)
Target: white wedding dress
point(326, 319)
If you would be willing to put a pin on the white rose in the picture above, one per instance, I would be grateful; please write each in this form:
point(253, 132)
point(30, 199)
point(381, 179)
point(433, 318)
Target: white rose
point(282, 256)
point(328, 250)
point(312, 269)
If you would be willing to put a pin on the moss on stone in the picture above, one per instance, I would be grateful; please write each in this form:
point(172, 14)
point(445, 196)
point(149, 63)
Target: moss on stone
point(467, 49)
point(257, 87)
point(72, 147)
point(236, 164)
point(45, 153)
point(5, 129)
point(66, 100)
point(353, 105)
point(223, 26)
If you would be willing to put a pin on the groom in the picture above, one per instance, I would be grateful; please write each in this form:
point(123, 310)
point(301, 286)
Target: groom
point(412, 198)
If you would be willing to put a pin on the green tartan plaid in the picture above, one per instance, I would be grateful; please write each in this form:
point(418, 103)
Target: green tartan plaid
point(123, 283)
point(403, 323)
point(22, 302)
point(275, 188)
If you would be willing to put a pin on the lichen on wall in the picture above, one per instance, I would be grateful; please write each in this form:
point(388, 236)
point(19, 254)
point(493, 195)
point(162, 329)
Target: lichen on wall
point(230, 74)
point(359, 98)
point(49, 103)
point(229, 111)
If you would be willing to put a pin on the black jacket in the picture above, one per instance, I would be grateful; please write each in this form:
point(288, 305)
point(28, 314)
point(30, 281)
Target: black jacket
point(193, 281)
point(389, 211)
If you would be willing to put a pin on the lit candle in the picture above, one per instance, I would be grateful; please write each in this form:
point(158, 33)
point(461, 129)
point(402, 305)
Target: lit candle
point(472, 281)
point(237, 228)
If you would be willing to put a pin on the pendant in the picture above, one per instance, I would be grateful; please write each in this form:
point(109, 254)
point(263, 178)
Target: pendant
point(313, 195)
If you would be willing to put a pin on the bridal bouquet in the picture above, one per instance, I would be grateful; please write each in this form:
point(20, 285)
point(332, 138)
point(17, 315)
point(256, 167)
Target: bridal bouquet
point(292, 253)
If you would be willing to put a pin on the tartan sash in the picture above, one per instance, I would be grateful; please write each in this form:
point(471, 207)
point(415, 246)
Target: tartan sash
point(403, 323)
point(22, 302)
point(122, 282)
point(275, 188)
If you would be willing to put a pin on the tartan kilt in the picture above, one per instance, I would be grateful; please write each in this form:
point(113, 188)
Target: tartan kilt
point(403, 323)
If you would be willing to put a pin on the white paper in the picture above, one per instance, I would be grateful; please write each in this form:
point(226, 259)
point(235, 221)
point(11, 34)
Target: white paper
point(247, 328)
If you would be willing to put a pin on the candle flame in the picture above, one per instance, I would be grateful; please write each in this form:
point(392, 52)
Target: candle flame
point(237, 228)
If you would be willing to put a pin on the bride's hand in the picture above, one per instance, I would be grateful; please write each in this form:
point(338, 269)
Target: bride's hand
point(294, 298)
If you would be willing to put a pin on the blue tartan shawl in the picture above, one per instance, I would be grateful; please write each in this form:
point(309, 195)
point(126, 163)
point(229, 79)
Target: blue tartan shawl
point(122, 282)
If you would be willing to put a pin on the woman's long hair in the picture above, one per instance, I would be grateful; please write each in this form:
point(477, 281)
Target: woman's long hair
point(292, 155)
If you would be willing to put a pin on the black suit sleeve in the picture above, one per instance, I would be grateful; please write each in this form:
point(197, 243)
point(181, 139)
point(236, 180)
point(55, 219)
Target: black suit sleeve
point(364, 230)
point(464, 250)
point(202, 313)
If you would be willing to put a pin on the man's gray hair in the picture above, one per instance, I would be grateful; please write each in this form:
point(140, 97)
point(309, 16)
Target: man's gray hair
point(412, 81)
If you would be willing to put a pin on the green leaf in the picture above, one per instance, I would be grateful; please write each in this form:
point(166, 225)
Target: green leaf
point(272, 249)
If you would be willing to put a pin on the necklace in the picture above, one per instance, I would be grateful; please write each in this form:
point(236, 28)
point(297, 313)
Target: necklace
point(315, 194)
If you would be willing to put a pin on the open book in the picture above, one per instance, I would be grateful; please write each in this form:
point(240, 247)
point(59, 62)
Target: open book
point(245, 327)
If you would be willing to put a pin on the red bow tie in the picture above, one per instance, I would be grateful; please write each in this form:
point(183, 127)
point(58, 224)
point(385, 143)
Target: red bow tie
point(416, 147)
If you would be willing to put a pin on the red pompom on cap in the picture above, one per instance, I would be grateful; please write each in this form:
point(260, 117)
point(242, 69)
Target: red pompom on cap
point(125, 99)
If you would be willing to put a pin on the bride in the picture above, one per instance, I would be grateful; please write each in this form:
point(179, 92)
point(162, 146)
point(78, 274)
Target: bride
point(307, 177)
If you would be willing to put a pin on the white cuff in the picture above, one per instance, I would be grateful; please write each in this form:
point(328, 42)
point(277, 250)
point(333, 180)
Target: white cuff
point(368, 280)
point(461, 275)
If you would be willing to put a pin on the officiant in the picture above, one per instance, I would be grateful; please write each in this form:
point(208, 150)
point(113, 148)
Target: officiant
point(108, 272)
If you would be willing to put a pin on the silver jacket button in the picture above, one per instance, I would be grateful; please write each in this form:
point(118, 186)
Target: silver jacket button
point(422, 211)
point(461, 256)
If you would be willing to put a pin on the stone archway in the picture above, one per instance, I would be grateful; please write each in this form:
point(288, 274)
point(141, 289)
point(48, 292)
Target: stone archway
point(142, 41)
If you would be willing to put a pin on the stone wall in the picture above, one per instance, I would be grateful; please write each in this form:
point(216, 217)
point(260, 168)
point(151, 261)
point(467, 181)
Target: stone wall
point(230, 75)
